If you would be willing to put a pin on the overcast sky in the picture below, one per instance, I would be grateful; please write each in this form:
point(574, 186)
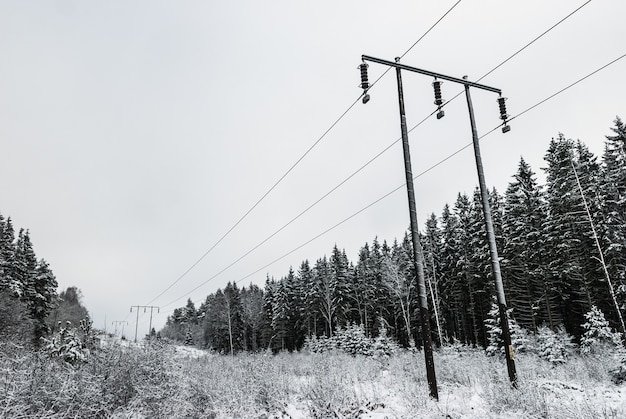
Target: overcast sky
point(135, 134)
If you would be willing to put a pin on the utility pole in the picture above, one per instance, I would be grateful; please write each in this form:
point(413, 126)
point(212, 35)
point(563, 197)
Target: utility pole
point(493, 249)
point(116, 322)
point(417, 249)
point(495, 264)
point(137, 321)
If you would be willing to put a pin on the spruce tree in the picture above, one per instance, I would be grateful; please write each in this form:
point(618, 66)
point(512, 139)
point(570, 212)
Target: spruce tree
point(8, 279)
point(363, 289)
point(528, 289)
point(612, 226)
point(38, 283)
point(567, 236)
point(252, 316)
point(597, 332)
point(325, 294)
point(432, 243)
point(281, 312)
point(340, 273)
point(453, 288)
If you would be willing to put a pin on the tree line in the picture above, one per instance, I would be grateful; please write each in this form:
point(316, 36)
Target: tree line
point(554, 241)
point(30, 308)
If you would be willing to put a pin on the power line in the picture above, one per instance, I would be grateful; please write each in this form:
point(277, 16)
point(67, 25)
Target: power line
point(397, 140)
point(289, 171)
point(417, 176)
point(439, 163)
point(414, 44)
point(259, 201)
point(536, 39)
point(517, 52)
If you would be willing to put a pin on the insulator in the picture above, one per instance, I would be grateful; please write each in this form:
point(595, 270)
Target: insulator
point(364, 82)
point(502, 106)
point(438, 99)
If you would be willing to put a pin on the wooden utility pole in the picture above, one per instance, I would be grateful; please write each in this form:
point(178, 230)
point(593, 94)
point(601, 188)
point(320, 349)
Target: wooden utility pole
point(117, 322)
point(137, 321)
point(418, 257)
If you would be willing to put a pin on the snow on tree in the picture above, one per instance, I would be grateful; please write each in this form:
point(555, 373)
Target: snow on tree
point(554, 347)
point(597, 332)
point(384, 346)
point(189, 338)
point(519, 336)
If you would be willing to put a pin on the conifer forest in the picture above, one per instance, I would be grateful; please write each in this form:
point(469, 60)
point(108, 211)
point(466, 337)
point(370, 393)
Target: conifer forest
point(339, 338)
point(552, 267)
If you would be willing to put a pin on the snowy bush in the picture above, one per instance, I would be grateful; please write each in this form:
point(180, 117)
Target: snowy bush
point(66, 345)
point(352, 341)
point(384, 346)
point(598, 333)
point(519, 336)
point(554, 347)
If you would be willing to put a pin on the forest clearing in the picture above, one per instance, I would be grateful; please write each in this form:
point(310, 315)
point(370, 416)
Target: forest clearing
point(124, 380)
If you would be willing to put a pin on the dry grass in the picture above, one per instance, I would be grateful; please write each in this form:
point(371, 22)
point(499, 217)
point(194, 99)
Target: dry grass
point(157, 382)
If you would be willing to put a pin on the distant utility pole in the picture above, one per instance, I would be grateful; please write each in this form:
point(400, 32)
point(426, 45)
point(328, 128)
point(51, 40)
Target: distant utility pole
point(417, 249)
point(116, 322)
point(137, 321)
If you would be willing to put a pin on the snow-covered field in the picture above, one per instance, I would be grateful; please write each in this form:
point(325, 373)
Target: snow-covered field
point(174, 381)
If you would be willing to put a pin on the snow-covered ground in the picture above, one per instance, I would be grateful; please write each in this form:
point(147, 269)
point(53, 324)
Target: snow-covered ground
point(161, 380)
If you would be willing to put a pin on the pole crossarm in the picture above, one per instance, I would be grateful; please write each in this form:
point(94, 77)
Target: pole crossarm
point(430, 73)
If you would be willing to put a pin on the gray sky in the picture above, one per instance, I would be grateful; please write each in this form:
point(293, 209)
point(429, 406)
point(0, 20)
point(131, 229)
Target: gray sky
point(134, 134)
